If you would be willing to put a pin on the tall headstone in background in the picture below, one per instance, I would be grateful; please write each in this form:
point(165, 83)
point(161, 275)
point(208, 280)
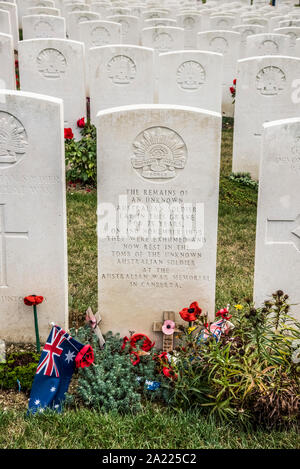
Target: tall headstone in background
point(7, 68)
point(32, 214)
point(191, 78)
point(12, 9)
point(277, 256)
point(155, 161)
point(226, 43)
point(41, 26)
point(267, 44)
point(120, 75)
point(55, 67)
point(266, 88)
point(5, 26)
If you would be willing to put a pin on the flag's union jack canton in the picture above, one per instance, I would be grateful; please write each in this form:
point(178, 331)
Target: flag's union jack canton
point(54, 371)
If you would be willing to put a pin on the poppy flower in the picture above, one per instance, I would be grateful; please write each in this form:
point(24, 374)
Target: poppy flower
point(169, 373)
point(190, 314)
point(81, 123)
point(232, 90)
point(68, 133)
point(134, 357)
point(168, 327)
point(85, 357)
point(146, 344)
point(224, 313)
point(234, 81)
point(32, 300)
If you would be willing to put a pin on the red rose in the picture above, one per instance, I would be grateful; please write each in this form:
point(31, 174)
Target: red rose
point(224, 313)
point(169, 373)
point(68, 133)
point(232, 90)
point(190, 314)
point(234, 81)
point(81, 123)
point(85, 357)
point(32, 300)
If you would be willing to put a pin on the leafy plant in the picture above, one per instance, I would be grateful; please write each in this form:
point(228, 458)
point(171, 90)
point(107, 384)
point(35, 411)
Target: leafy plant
point(244, 179)
point(19, 369)
point(114, 383)
point(81, 157)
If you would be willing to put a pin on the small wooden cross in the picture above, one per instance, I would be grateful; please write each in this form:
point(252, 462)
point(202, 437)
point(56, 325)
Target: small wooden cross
point(94, 321)
point(168, 340)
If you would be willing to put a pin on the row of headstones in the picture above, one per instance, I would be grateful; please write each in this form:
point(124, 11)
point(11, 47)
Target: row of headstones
point(192, 21)
point(158, 190)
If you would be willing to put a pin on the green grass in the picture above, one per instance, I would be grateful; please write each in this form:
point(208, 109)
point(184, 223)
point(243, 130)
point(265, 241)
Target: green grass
point(154, 428)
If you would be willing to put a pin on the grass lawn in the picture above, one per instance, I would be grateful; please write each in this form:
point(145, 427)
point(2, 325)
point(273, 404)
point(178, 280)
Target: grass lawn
point(155, 427)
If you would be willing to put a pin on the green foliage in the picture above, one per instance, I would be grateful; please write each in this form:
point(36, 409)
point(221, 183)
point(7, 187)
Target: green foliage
point(114, 383)
point(81, 157)
point(249, 374)
point(244, 179)
point(20, 366)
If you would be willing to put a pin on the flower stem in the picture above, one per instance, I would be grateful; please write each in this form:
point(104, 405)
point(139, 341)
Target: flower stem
point(36, 326)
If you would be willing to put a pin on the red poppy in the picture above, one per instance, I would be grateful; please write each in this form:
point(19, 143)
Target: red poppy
point(224, 313)
point(234, 81)
point(169, 373)
point(85, 357)
point(81, 123)
point(146, 344)
point(232, 90)
point(190, 314)
point(68, 133)
point(137, 358)
point(125, 340)
point(32, 300)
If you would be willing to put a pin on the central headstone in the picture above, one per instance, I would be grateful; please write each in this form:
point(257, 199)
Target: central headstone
point(158, 178)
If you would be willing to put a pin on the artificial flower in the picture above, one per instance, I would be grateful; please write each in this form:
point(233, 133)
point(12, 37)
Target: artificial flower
point(191, 329)
point(68, 133)
point(168, 327)
point(169, 373)
point(190, 314)
point(32, 300)
point(85, 357)
point(137, 358)
point(238, 307)
point(146, 344)
point(234, 81)
point(224, 313)
point(81, 123)
point(232, 90)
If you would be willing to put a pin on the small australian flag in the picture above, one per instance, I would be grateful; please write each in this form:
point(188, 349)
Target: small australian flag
point(55, 370)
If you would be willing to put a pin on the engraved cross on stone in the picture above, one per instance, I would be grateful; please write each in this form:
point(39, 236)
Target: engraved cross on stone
point(3, 235)
point(284, 231)
point(168, 340)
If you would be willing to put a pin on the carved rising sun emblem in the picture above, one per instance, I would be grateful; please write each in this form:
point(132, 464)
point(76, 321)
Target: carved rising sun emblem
point(13, 139)
point(159, 152)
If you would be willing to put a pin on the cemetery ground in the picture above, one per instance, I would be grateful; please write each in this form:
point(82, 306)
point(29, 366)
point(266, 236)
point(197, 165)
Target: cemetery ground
point(155, 426)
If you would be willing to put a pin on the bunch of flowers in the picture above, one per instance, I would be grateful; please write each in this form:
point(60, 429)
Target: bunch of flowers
point(232, 90)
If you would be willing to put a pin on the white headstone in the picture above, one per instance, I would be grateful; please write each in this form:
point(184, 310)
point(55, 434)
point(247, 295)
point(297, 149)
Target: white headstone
point(12, 9)
point(7, 69)
point(246, 30)
point(5, 26)
point(55, 67)
point(191, 78)
point(120, 75)
point(130, 28)
point(32, 181)
point(149, 165)
point(42, 26)
point(74, 19)
point(191, 22)
point(293, 33)
point(264, 92)
point(277, 256)
point(99, 33)
point(226, 43)
point(267, 44)
point(163, 38)
point(43, 11)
